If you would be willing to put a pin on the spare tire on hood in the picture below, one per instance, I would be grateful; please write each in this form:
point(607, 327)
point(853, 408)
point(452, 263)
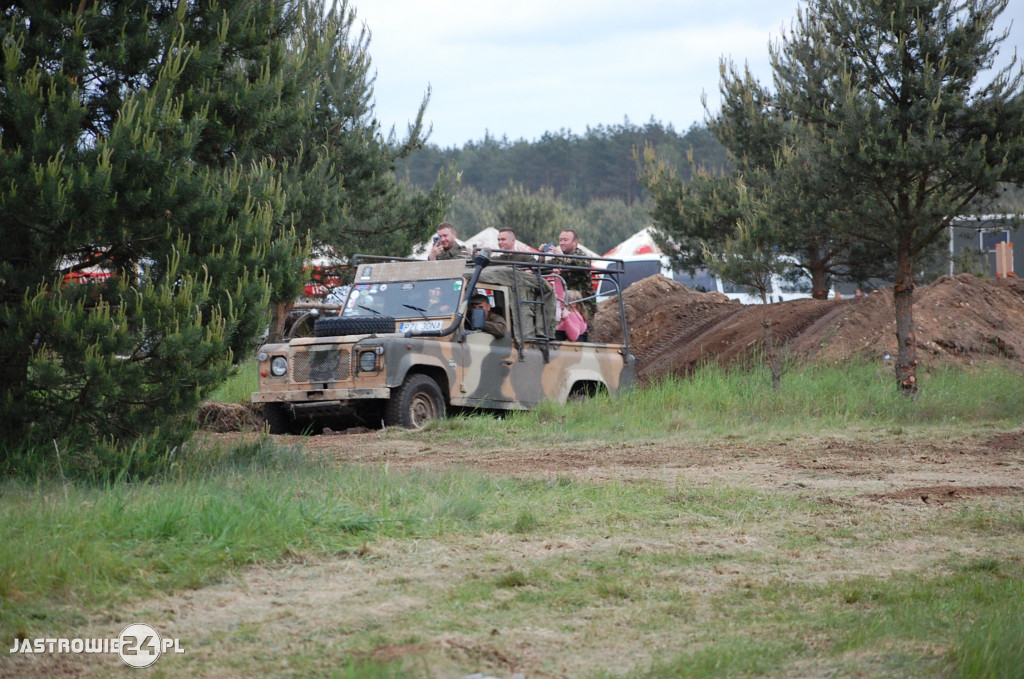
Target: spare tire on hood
point(336, 326)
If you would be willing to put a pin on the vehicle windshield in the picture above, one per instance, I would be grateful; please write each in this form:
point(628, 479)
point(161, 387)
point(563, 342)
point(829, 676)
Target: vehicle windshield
point(405, 299)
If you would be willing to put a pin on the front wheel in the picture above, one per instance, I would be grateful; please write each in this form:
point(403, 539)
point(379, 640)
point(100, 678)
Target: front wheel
point(415, 403)
point(278, 419)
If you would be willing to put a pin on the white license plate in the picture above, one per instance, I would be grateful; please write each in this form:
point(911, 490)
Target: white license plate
point(419, 326)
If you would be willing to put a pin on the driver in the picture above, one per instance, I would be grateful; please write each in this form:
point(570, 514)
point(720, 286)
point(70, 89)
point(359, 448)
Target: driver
point(494, 323)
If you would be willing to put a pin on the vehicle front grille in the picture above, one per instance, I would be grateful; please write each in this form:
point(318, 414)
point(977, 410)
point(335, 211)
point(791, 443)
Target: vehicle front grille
point(322, 365)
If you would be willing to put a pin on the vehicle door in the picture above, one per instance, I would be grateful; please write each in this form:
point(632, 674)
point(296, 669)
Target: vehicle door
point(492, 373)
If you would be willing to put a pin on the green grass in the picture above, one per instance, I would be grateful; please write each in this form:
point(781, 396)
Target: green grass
point(258, 503)
point(993, 645)
point(716, 403)
point(240, 386)
point(721, 580)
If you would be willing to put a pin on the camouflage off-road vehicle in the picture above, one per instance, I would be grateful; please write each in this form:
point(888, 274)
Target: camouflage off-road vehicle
point(403, 350)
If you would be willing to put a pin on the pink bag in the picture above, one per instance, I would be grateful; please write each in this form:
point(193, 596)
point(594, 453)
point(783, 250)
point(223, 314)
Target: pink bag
point(573, 325)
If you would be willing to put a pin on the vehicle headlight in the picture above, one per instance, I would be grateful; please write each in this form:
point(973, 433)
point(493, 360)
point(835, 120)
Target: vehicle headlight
point(368, 361)
point(278, 366)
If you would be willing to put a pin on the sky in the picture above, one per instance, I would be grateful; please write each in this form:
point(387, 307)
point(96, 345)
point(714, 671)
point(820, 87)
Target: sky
point(520, 68)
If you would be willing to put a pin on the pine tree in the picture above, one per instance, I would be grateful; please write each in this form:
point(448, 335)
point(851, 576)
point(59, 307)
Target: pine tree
point(751, 258)
point(184, 148)
point(894, 110)
point(879, 132)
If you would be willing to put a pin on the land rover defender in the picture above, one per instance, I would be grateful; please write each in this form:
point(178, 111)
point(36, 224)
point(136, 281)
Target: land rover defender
point(406, 348)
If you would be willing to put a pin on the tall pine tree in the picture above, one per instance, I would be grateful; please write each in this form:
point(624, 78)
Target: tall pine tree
point(185, 149)
point(885, 124)
point(896, 109)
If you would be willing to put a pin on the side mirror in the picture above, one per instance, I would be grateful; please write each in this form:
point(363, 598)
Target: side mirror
point(477, 318)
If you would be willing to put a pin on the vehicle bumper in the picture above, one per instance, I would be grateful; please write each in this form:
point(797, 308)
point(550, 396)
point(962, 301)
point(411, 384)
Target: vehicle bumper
point(314, 395)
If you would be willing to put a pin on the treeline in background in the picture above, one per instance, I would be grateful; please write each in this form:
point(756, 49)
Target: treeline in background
point(588, 182)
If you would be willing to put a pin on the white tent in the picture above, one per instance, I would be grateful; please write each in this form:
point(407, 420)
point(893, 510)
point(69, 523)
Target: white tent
point(641, 245)
point(325, 256)
point(642, 257)
point(587, 251)
point(488, 238)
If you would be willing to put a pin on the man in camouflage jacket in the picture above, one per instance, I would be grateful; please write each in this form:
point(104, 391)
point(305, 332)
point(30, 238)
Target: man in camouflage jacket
point(575, 279)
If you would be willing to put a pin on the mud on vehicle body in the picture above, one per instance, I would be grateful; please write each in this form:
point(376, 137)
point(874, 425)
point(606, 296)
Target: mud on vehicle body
point(403, 352)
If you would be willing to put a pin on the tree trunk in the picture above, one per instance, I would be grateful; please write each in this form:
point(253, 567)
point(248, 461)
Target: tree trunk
point(819, 289)
point(768, 342)
point(278, 316)
point(769, 350)
point(906, 341)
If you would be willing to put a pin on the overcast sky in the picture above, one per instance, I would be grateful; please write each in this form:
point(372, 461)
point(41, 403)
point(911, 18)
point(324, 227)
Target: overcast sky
point(525, 67)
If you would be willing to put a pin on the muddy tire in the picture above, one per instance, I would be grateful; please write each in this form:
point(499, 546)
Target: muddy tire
point(337, 326)
point(415, 403)
point(279, 420)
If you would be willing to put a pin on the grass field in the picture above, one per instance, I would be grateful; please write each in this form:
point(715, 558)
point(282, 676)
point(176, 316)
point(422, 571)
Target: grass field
point(713, 528)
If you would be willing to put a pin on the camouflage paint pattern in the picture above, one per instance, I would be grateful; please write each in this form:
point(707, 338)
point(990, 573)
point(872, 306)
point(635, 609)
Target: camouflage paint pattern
point(472, 368)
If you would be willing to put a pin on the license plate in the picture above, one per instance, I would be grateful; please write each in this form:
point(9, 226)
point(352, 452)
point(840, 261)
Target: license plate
point(419, 326)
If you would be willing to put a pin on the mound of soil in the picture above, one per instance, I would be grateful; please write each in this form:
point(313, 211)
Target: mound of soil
point(224, 417)
point(674, 328)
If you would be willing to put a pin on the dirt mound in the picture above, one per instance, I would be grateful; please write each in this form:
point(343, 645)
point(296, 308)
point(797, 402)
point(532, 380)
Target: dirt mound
point(674, 328)
point(225, 417)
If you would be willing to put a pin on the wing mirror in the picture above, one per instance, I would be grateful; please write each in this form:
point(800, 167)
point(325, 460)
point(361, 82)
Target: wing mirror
point(477, 318)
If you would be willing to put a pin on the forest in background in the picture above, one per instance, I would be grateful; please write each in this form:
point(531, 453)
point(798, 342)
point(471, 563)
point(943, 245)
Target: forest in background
point(588, 182)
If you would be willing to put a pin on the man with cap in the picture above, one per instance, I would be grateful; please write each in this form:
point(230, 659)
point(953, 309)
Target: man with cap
point(494, 323)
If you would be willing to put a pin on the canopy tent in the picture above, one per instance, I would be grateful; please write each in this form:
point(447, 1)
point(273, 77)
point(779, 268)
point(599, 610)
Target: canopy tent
point(641, 245)
point(325, 256)
point(322, 271)
point(587, 251)
point(642, 257)
point(488, 238)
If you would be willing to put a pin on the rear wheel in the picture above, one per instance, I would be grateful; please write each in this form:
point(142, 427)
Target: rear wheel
point(415, 403)
point(584, 391)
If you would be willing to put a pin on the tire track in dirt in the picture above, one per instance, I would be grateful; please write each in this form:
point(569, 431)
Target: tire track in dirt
point(731, 334)
point(681, 347)
point(819, 316)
